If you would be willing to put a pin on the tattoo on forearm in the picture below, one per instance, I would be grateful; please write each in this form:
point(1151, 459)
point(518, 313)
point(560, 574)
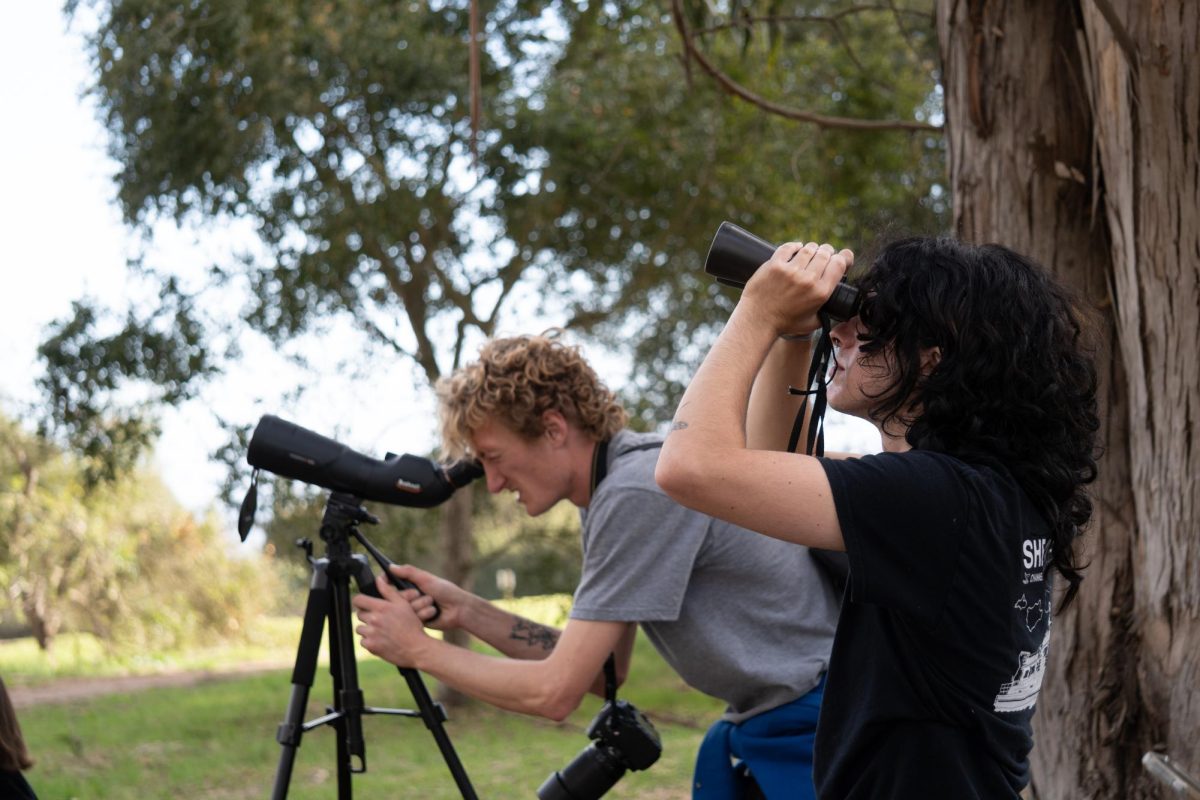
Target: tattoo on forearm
point(533, 634)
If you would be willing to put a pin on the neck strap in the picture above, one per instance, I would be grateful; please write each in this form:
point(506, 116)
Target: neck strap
point(815, 444)
point(600, 460)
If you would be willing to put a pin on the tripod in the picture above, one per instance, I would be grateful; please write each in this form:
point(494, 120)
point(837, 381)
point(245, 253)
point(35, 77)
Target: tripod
point(329, 598)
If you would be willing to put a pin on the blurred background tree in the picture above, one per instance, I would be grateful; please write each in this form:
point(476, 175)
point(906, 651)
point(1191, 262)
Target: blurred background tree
point(577, 175)
point(121, 560)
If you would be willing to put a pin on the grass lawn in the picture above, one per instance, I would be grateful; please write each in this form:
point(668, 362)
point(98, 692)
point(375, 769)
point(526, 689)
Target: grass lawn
point(217, 739)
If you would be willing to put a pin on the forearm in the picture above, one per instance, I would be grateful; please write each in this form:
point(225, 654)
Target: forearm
point(527, 687)
point(712, 412)
point(548, 687)
point(512, 635)
point(772, 410)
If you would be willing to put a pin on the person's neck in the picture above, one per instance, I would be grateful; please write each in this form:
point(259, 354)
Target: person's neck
point(895, 441)
point(583, 456)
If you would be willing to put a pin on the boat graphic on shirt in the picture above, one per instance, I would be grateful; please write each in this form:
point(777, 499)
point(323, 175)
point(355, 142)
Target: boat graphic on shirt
point(1022, 691)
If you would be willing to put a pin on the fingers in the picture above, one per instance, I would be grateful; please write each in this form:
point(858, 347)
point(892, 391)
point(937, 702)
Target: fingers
point(364, 602)
point(424, 607)
point(814, 257)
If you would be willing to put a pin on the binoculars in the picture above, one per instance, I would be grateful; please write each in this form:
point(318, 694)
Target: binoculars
point(736, 253)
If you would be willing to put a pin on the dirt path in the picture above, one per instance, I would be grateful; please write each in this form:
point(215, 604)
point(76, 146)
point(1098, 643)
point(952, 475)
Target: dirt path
point(70, 690)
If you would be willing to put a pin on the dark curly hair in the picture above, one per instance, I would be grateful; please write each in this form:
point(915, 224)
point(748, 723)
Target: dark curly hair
point(516, 380)
point(1015, 385)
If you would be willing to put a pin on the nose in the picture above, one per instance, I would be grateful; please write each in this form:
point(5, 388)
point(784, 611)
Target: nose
point(495, 481)
point(843, 332)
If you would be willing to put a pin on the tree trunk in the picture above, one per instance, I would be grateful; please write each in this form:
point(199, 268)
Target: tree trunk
point(457, 567)
point(1073, 138)
point(44, 622)
point(31, 588)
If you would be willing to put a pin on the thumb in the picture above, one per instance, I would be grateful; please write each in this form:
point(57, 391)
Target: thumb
point(413, 575)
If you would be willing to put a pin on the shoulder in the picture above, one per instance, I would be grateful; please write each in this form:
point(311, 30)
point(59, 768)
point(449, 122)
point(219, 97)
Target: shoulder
point(631, 461)
point(629, 488)
point(899, 480)
point(909, 465)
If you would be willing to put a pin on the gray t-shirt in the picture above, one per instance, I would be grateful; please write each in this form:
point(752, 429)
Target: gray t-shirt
point(740, 616)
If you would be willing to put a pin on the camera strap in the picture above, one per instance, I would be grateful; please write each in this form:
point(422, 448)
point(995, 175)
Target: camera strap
point(610, 679)
point(600, 460)
point(815, 443)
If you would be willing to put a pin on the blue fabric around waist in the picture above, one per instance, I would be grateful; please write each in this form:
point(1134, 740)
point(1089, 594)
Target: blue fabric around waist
point(776, 745)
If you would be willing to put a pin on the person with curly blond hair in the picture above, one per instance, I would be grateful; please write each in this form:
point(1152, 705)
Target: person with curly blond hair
point(739, 616)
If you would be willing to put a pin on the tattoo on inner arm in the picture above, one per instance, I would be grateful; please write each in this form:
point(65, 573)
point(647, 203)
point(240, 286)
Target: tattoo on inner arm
point(533, 634)
point(679, 425)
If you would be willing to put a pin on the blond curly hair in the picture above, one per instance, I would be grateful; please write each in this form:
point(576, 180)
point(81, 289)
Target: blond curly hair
point(515, 382)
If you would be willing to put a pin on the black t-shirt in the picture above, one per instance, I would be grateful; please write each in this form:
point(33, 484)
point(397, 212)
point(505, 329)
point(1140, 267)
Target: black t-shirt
point(13, 786)
point(942, 642)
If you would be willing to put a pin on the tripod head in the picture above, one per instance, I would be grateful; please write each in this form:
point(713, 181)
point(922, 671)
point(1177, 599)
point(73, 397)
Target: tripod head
point(343, 515)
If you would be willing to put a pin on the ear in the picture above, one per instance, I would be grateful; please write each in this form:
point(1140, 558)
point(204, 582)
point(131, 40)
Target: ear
point(555, 425)
point(930, 358)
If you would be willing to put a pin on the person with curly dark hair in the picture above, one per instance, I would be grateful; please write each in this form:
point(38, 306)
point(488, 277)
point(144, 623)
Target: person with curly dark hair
point(972, 363)
point(706, 593)
point(14, 757)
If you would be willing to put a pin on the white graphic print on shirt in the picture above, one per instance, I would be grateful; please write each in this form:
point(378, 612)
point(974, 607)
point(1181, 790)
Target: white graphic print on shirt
point(1021, 692)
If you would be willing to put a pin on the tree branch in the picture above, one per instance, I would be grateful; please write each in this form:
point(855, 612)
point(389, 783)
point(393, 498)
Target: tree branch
point(829, 19)
point(800, 115)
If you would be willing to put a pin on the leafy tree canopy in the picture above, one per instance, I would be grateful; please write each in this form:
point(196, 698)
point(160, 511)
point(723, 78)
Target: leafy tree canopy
point(605, 161)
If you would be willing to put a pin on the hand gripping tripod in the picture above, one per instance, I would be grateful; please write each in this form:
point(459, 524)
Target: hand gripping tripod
point(329, 598)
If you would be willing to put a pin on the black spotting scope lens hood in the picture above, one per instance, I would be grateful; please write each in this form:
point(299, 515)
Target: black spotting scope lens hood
point(291, 451)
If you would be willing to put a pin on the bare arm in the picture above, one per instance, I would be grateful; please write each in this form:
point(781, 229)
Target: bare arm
point(705, 463)
point(772, 410)
point(521, 638)
point(549, 687)
point(511, 634)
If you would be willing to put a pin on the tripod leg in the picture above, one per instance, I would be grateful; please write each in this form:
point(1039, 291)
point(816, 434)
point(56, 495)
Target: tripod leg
point(431, 713)
point(348, 696)
point(315, 612)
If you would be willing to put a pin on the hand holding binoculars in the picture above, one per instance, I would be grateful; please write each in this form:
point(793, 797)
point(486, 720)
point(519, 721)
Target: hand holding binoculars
point(736, 253)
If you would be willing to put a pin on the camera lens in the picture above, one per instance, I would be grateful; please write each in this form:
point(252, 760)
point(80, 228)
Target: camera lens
point(592, 773)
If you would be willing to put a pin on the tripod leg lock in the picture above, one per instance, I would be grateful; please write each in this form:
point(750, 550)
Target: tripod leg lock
point(289, 734)
point(352, 701)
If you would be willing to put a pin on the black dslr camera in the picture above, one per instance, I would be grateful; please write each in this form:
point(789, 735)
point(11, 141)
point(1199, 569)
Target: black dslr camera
point(624, 739)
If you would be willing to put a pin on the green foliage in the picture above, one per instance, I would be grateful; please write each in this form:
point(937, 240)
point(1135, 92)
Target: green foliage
point(163, 354)
point(121, 559)
point(341, 130)
point(644, 157)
